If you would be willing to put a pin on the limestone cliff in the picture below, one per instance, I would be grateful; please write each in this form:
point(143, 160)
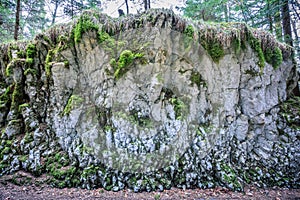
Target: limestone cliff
point(149, 102)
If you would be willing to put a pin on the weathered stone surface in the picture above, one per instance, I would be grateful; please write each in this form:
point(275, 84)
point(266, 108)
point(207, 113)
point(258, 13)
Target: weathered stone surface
point(166, 115)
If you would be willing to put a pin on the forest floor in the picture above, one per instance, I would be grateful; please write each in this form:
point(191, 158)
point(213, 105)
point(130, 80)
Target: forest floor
point(11, 189)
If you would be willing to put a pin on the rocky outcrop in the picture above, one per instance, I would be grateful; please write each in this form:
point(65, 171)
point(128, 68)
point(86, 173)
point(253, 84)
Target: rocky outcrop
point(149, 102)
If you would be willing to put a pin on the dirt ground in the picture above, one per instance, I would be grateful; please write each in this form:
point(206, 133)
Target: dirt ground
point(11, 190)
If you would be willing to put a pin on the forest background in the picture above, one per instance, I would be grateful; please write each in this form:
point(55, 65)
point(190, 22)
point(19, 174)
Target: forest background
point(22, 19)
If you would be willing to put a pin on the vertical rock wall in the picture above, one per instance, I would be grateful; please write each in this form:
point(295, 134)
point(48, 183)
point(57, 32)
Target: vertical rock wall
point(149, 102)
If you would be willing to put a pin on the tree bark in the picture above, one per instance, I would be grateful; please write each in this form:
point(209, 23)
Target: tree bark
point(17, 23)
point(286, 22)
point(277, 20)
point(147, 4)
point(54, 12)
point(270, 19)
point(127, 7)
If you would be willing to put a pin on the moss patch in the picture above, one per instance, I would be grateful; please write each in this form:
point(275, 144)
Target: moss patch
point(48, 62)
point(83, 25)
point(213, 47)
point(30, 53)
point(274, 57)
point(255, 44)
point(72, 102)
point(197, 79)
point(179, 107)
point(122, 65)
point(189, 31)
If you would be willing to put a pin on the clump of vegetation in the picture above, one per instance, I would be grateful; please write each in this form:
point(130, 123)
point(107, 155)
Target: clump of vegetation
point(290, 111)
point(48, 61)
point(196, 78)
point(189, 31)
point(21, 54)
point(229, 177)
point(83, 25)
point(9, 69)
point(73, 101)
point(30, 71)
point(274, 57)
point(213, 47)
point(121, 66)
point(30, 53)
point(238, 45)
point(179, 107)
point(255, 44)
point(11, 48)
point(5, 97)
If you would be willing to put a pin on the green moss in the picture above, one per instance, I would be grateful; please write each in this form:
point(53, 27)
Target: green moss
point(91, 170)
point(30, 71)
point(17, 96)
point(255, 44)
point(24, 105)
point(29, 61)
point(274, 57)
point(66, 63)
point(122, 65)
point(236, 43)
point(189, 31)
point(28, 137)
point(113, 63)
point(179, 107)
point(229, 177)
point(30, 53)
point(48, 62)
point(126, 58)
point(196, 78)
point(6, 150)
point(21, 54)
point(83, 25)
point(103, 36)
point(214, 48)
point(23, 158)
point(6, 95)
point(9, 69)
point(73, 101)
point(10, 49)
point(290, 111)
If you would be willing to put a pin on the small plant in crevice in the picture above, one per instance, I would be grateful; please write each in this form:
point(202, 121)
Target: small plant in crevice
point(189, 31)
point(197, 79)
point(72, 102)
point(179, 107)
point(122, 65)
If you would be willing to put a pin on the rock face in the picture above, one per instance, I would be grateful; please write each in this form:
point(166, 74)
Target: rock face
point(149, 102)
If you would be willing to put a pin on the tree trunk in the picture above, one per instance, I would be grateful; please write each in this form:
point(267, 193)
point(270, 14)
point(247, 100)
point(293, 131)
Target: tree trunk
point(54, 12)
point(226, 12)
point(17, 24)
point(286, 23)
point(72, 9)
point(147, 4)
point(127, 7)
point(277, 20)
point(270, 19)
